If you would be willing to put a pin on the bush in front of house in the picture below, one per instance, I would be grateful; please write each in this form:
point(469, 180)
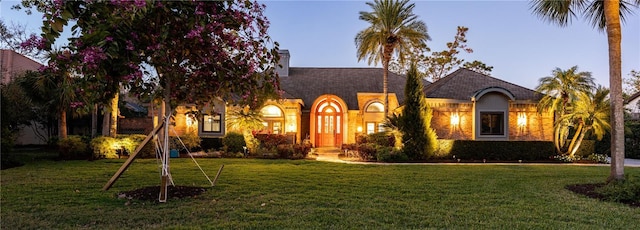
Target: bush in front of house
point(389, 154)
point(233, 143)
point(285, 151)
point(632, 143)
point(271, 141)
point(73, 147)
point(211, 144)
point(103, 147)
point(186, 142)
point(495, 150)
point(367, 151)
point(131, 142)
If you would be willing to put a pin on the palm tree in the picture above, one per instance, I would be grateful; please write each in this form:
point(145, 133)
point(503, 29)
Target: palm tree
point(246, 121)
point(606, 16)
point(560, 90)
point(589, 113)
point(54, 88)
point(394, 29)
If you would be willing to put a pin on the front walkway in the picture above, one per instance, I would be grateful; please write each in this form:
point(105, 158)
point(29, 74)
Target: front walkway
point(330, 154)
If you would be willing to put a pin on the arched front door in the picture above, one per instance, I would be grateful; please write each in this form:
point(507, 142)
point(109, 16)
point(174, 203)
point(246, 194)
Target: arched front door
point(328, 124)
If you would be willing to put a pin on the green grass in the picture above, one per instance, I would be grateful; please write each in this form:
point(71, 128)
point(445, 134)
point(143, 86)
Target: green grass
point(285, 194)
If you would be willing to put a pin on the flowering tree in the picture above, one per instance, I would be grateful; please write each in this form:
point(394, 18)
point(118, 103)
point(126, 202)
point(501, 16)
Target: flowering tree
point(199, 50)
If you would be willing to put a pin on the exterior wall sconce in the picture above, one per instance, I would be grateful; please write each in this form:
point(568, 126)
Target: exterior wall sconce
point(455, 119)
point(522, 119)
point(359, 129)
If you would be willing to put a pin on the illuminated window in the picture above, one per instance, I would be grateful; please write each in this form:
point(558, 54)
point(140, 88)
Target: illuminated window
point(492, 123)
point(273, 119)
point(375, 107)
point(271, 111)
point(211, 123)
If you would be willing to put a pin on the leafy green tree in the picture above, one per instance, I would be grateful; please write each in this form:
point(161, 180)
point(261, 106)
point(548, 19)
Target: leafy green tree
point(394, 29)
point(632, 83)
point(420, 140)
point(246, 121)
point(560, 90)
point(606, 16)
point(478, 66)
point(439, 64)
point(590, 113)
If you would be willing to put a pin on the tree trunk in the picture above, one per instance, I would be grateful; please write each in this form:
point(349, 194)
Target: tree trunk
point(94, 121)
point(385, 81)
point(578, 132)
point(106, 117)
point(575, 148)
point(62, 124)
point(113, 128)
point(614, 37)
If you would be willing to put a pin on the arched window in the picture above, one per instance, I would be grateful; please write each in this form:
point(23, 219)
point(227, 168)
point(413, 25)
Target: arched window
point(273, 119)
point(375, 107)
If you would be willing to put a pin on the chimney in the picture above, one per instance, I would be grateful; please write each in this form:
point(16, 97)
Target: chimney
point(283, 65)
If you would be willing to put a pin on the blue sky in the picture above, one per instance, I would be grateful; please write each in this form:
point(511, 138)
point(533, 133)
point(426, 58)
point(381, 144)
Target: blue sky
point(504, 34)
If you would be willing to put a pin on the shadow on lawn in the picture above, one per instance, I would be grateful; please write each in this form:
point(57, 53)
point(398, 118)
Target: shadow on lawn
point(151, 193)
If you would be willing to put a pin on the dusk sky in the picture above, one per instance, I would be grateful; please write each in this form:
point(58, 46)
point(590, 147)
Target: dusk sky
point(521, 47)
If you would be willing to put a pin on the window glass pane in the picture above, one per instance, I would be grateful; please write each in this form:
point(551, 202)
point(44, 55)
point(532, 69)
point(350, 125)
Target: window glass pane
point(211, 123)
point(492, 123)
point(338, 124)
point(271, 111)
point(381, 128)
point(375, 107)
point(319, 129)
point(276, 127)
point(371, 127)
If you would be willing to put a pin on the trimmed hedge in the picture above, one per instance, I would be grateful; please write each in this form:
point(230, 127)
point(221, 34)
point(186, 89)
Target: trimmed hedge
point(233, 142)
point(504, 150)
point(495, 150)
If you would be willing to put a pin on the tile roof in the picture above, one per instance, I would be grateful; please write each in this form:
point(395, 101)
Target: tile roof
point(310, 83)
point(462, 84)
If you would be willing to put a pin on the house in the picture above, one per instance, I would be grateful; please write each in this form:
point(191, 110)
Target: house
point(332, 106)
point(632, 105)
point(13, 65)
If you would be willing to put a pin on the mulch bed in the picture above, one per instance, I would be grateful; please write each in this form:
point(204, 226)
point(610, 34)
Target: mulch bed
point(589, 190)
point(152, 193)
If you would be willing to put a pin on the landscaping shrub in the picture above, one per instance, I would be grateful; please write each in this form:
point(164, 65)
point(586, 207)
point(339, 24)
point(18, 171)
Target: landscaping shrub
point(587, 147)
point(211, 143)
point(233, 143)
point(103, 147)
point(271, 141)
point(632, 140)
point(389, 154)
point(627, 190)
point(131, 142)
point(301, 151)
point(382, 139)
point(191, 140)
point(285, 151)
point(367, 151)
point(496, 150)
point(73, 147)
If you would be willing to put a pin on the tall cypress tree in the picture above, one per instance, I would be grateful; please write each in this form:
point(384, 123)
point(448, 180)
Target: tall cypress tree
point(419, 138)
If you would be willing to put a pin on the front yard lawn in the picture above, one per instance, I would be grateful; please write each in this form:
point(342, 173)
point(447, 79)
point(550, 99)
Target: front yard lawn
point(305, 194)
